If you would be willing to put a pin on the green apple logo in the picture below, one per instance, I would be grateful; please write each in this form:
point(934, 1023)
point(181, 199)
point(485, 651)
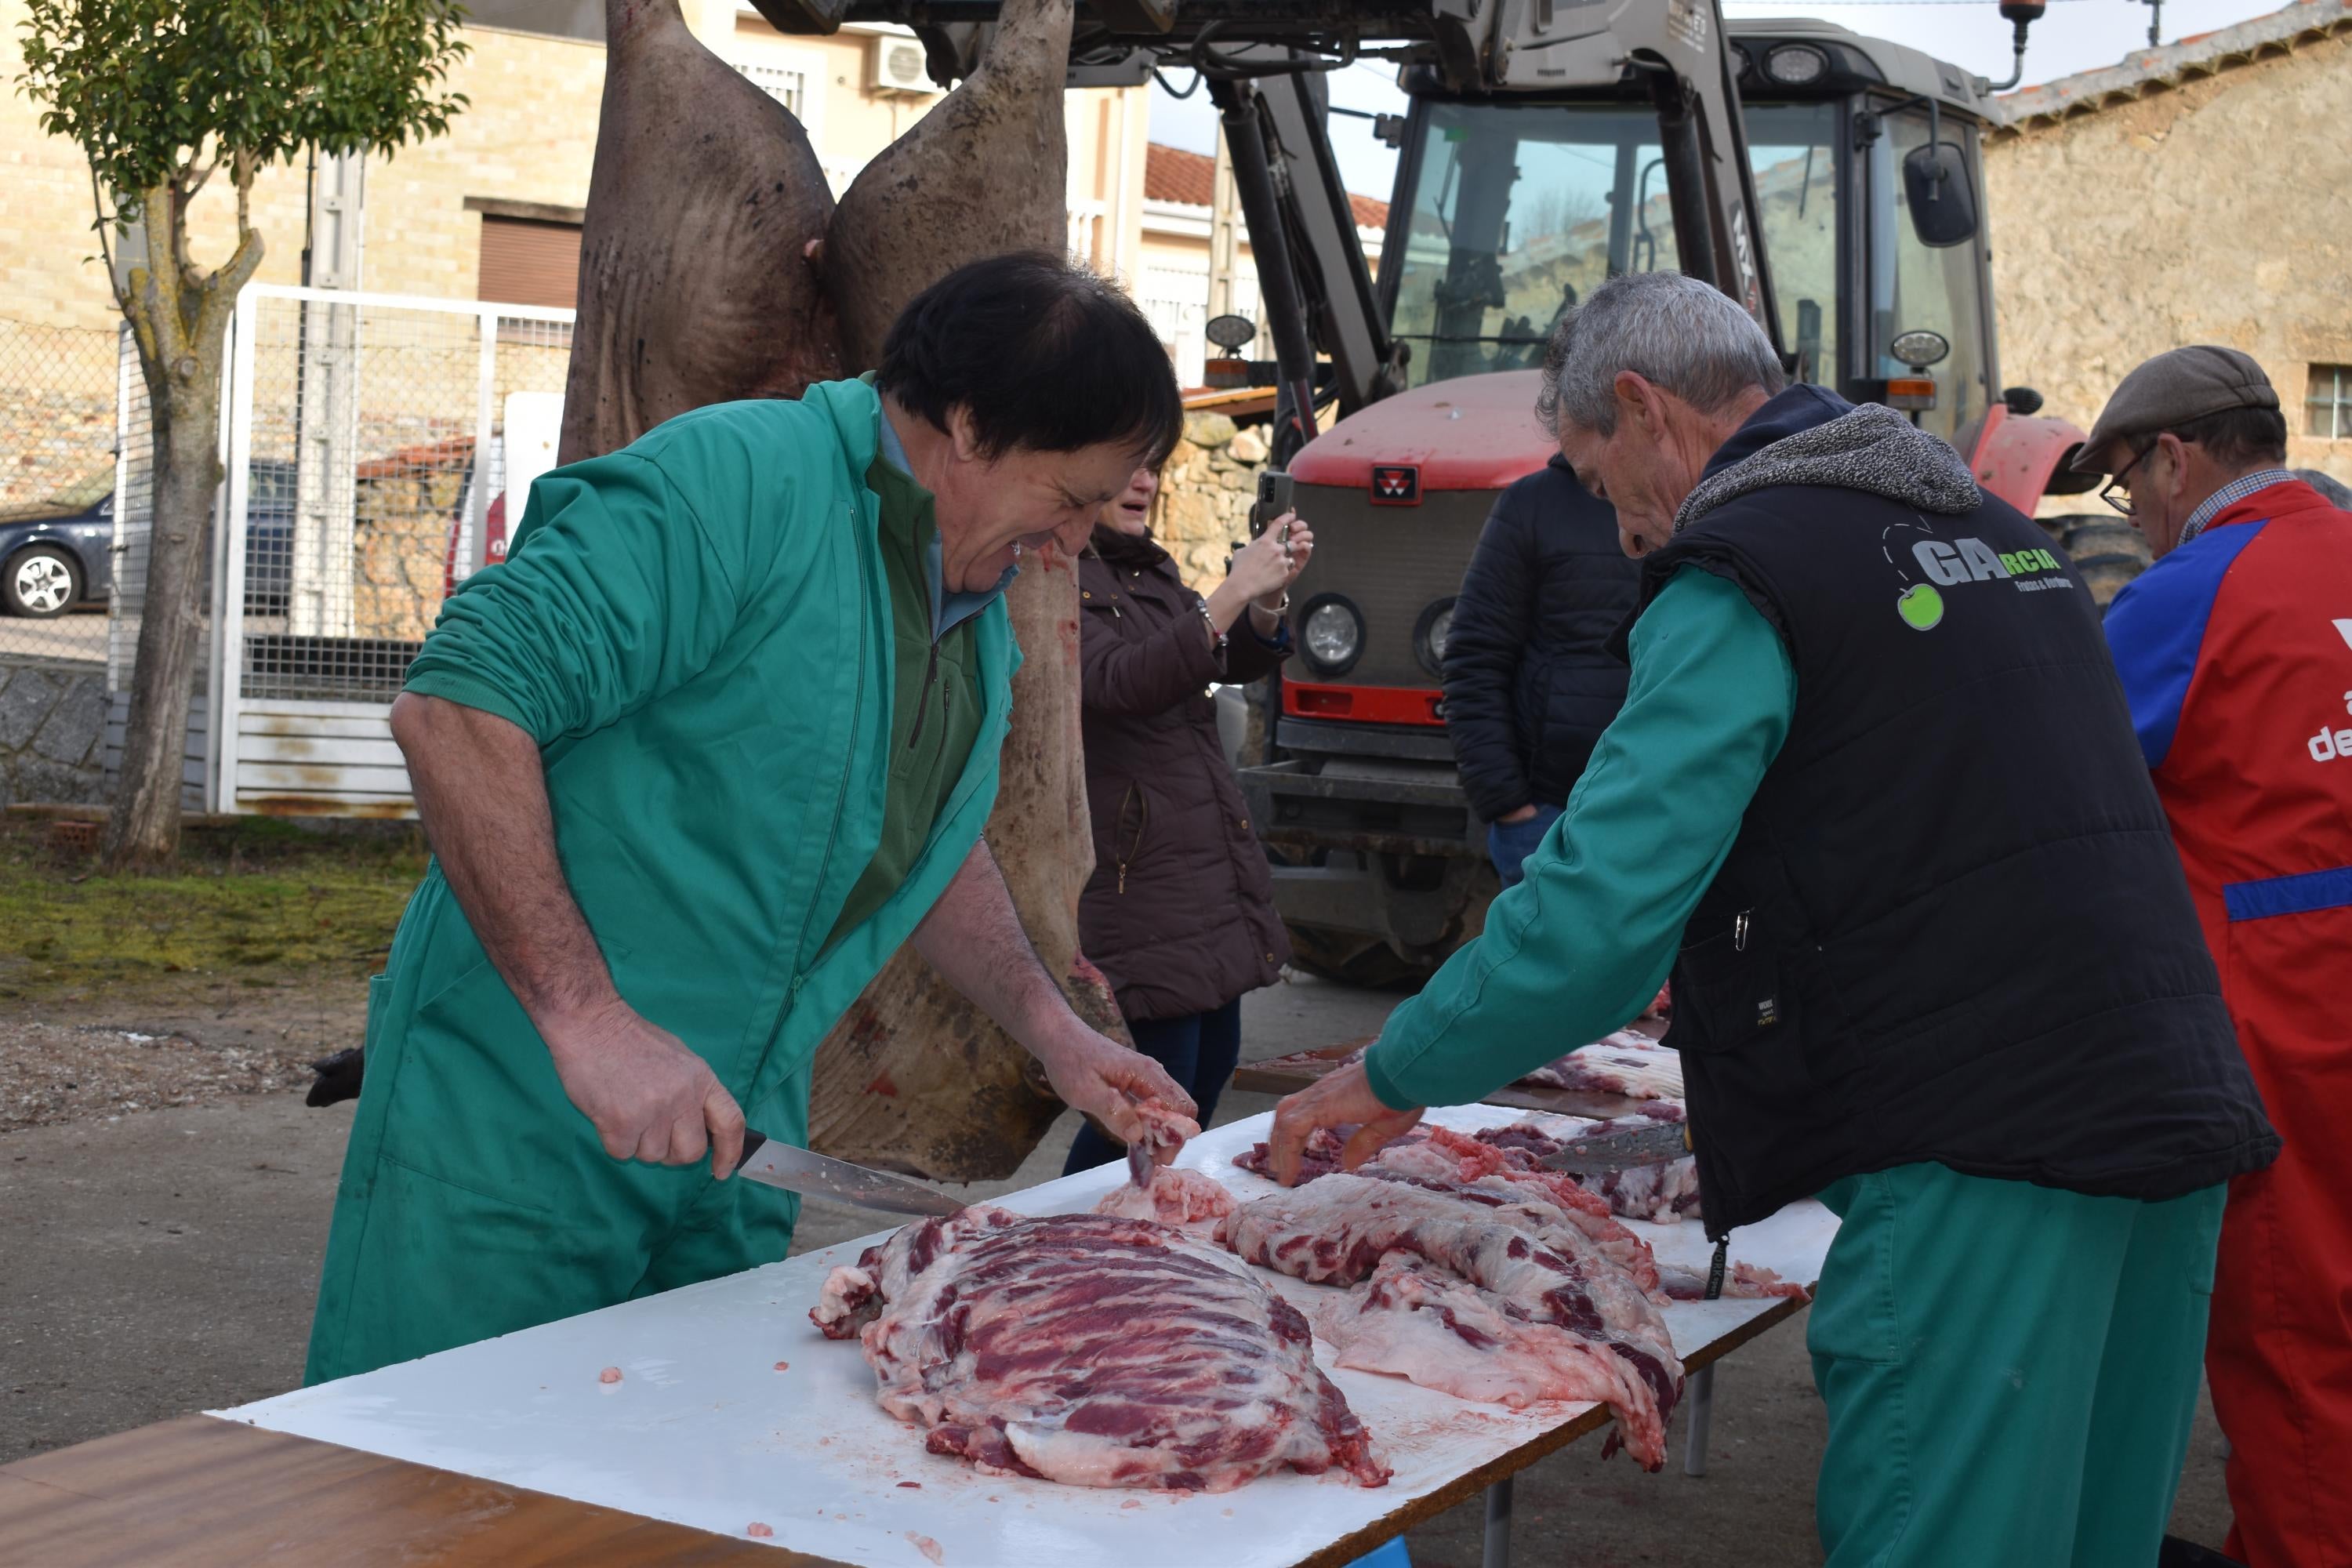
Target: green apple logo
point(1920, 607)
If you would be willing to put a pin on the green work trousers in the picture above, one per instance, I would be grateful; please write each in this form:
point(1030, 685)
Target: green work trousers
point(2011, 1370)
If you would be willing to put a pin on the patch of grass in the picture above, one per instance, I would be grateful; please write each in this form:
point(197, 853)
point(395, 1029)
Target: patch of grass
point(256, 899)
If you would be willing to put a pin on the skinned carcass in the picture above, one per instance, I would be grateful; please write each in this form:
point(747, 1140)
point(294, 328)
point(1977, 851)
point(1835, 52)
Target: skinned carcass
point(696, 284)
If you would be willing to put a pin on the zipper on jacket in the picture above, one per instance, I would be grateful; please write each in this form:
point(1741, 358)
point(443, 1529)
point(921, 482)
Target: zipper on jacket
point(923, 701)
point(841, 791)
point(1739, 930)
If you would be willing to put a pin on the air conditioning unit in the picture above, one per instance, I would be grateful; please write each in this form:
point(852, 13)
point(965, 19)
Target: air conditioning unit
point(898, 66)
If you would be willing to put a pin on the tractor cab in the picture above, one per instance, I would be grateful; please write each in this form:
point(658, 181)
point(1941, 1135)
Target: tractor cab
point(1509, 208)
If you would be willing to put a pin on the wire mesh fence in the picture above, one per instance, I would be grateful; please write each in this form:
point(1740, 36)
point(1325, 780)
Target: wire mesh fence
point(58, 415)
point(360, 498)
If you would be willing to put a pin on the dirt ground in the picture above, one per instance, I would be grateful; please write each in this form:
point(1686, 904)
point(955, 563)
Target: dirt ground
point(163, 1206)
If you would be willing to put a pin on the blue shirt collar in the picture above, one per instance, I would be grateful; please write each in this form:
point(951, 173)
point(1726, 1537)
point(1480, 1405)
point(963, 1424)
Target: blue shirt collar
point(947, 609)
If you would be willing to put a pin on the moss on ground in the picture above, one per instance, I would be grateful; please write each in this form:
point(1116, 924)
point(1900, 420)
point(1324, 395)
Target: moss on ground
point(259, 901)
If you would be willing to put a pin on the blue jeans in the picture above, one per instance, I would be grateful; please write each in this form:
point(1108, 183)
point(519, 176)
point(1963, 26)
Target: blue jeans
point(1509, 844)
point(1198, 1051)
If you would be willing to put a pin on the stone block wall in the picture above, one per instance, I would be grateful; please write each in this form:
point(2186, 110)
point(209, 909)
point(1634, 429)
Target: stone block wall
point(400, 540)
point(1205, 492)
point(2216, 211)
point(52, 733)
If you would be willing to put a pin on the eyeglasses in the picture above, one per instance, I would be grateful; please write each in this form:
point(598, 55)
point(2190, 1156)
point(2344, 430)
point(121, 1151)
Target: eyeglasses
point(2116, 492)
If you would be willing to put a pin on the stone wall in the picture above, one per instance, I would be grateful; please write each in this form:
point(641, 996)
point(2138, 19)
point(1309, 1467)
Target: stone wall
point(1205, 493)
point(52, 733)
point(2216, 211)
point(399, 539)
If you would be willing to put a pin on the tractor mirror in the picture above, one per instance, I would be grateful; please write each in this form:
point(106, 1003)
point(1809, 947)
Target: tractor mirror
point(1942, 200)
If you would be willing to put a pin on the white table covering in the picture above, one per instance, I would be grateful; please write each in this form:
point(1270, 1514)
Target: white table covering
point(702, 1431)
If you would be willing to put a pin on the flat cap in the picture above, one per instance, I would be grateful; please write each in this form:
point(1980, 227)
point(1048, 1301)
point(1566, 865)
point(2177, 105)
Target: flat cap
point(2170, 391)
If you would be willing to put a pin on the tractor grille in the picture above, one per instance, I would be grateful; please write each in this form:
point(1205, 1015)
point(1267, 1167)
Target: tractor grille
point(1392, 562)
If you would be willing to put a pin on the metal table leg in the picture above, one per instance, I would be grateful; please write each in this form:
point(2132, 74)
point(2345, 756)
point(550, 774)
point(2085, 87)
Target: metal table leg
point(1498, 1525)
point(1702, 1415)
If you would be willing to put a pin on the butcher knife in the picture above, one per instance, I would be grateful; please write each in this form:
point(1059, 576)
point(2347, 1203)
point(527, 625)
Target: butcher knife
point(1621, 1149)
point(796, 1170)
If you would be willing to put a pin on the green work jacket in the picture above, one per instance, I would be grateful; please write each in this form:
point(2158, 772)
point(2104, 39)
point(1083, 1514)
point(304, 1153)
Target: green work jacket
point(696, 632)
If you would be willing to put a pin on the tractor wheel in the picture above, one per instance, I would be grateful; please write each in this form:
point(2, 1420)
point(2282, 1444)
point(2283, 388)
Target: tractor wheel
point(1352, 958)
point(2107, 551)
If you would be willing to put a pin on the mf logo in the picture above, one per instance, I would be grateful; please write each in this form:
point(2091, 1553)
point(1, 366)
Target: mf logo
point(1396, 484)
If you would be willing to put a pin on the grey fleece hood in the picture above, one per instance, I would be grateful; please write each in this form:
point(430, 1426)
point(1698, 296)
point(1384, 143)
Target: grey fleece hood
point(1807, 436)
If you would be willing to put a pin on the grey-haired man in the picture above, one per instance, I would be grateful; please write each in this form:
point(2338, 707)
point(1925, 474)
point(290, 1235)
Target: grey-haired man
point(1874, 798)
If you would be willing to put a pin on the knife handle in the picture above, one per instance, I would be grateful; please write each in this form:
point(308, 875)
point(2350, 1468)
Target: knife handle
point(752, 1139)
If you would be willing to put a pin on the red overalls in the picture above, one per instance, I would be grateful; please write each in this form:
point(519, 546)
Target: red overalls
point(2236, 651)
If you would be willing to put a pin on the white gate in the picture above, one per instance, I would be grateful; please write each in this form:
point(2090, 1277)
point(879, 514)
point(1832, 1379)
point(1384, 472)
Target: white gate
point(367, 446)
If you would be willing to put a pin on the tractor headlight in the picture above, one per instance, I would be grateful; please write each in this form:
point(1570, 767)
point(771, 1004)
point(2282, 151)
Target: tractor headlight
point(1796, 65)
point(1332, 633)
point(1429, 637)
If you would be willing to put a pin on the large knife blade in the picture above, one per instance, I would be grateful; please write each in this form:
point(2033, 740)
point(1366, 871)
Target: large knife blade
point(1620, 1149)
point(796, 1170)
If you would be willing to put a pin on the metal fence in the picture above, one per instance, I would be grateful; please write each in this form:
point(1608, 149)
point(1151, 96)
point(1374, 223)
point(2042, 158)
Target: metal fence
point(58, 389)
point(370, 441)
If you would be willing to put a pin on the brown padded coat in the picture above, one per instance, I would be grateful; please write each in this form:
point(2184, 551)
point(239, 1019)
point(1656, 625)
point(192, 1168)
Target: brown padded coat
point(1180, 912)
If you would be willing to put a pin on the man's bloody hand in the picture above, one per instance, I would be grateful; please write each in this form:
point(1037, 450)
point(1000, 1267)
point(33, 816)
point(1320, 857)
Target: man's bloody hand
point(650, 1098)
point(1105, 1079)
point(1342, 1097)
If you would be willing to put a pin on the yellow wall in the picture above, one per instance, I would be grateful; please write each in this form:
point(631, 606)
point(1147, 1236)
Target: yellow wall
point(528, 136)
point(2219, 212)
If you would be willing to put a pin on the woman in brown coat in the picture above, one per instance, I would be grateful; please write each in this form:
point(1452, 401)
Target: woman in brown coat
point(1180, 912)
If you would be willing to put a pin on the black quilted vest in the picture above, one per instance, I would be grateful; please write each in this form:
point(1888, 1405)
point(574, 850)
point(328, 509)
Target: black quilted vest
point(1953, 926)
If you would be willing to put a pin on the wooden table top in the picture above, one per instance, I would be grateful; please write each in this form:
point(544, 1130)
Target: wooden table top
point(201, 1492)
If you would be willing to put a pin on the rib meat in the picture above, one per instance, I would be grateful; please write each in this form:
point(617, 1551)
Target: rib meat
point(1662, 1192)
point(1416, 1321)
point(1186, 1199)
point(1497, 1164)
point(1526, 1258)
point(1093, 1350)
point(1625, 1063)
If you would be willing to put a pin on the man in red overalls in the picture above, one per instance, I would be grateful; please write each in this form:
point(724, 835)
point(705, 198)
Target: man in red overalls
point(2235, 649)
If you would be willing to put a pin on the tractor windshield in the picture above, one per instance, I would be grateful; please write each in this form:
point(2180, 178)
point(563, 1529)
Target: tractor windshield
point(1516, 211)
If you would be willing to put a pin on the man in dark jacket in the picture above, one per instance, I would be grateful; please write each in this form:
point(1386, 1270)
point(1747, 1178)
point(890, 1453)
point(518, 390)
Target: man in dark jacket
point(1876, 798)
point(1529, 681)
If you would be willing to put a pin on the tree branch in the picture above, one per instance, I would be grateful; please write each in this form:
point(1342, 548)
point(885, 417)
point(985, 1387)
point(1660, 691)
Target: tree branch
point(114, 280)
point(241, 171)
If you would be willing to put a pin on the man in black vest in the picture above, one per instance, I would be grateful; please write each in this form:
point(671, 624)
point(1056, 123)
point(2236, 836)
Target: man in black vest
point(1530, 681)
point(1875, 797)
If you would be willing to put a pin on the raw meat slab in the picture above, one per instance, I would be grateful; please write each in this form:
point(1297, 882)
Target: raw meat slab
point(702, 1431)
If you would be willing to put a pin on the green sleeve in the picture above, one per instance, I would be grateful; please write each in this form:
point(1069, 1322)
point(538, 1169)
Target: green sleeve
point(1583, 943)
point(615, 593)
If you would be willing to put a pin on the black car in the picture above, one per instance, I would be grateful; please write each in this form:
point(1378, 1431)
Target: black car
point(57, 553)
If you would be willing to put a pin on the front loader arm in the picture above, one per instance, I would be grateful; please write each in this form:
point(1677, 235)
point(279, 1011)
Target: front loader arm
point(1262, 58)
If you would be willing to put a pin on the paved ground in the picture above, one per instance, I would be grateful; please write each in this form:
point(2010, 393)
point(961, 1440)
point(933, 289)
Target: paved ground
point(77, 634)
point(162, 1261)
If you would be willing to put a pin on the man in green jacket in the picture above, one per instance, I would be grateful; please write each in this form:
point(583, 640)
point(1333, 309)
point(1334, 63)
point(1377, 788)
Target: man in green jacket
point(1876, 800)
point(718, 736)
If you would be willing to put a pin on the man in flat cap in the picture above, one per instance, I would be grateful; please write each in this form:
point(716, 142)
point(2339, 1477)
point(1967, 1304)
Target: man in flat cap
point(2235, 650)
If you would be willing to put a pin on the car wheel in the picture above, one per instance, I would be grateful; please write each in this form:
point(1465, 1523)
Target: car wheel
point(41, 582)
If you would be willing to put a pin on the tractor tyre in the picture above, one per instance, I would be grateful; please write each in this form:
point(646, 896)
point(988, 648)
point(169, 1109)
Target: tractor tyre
point(1351, 958)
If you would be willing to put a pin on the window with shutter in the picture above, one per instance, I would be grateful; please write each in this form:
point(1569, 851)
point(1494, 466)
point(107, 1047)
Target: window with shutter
point(529, 261)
